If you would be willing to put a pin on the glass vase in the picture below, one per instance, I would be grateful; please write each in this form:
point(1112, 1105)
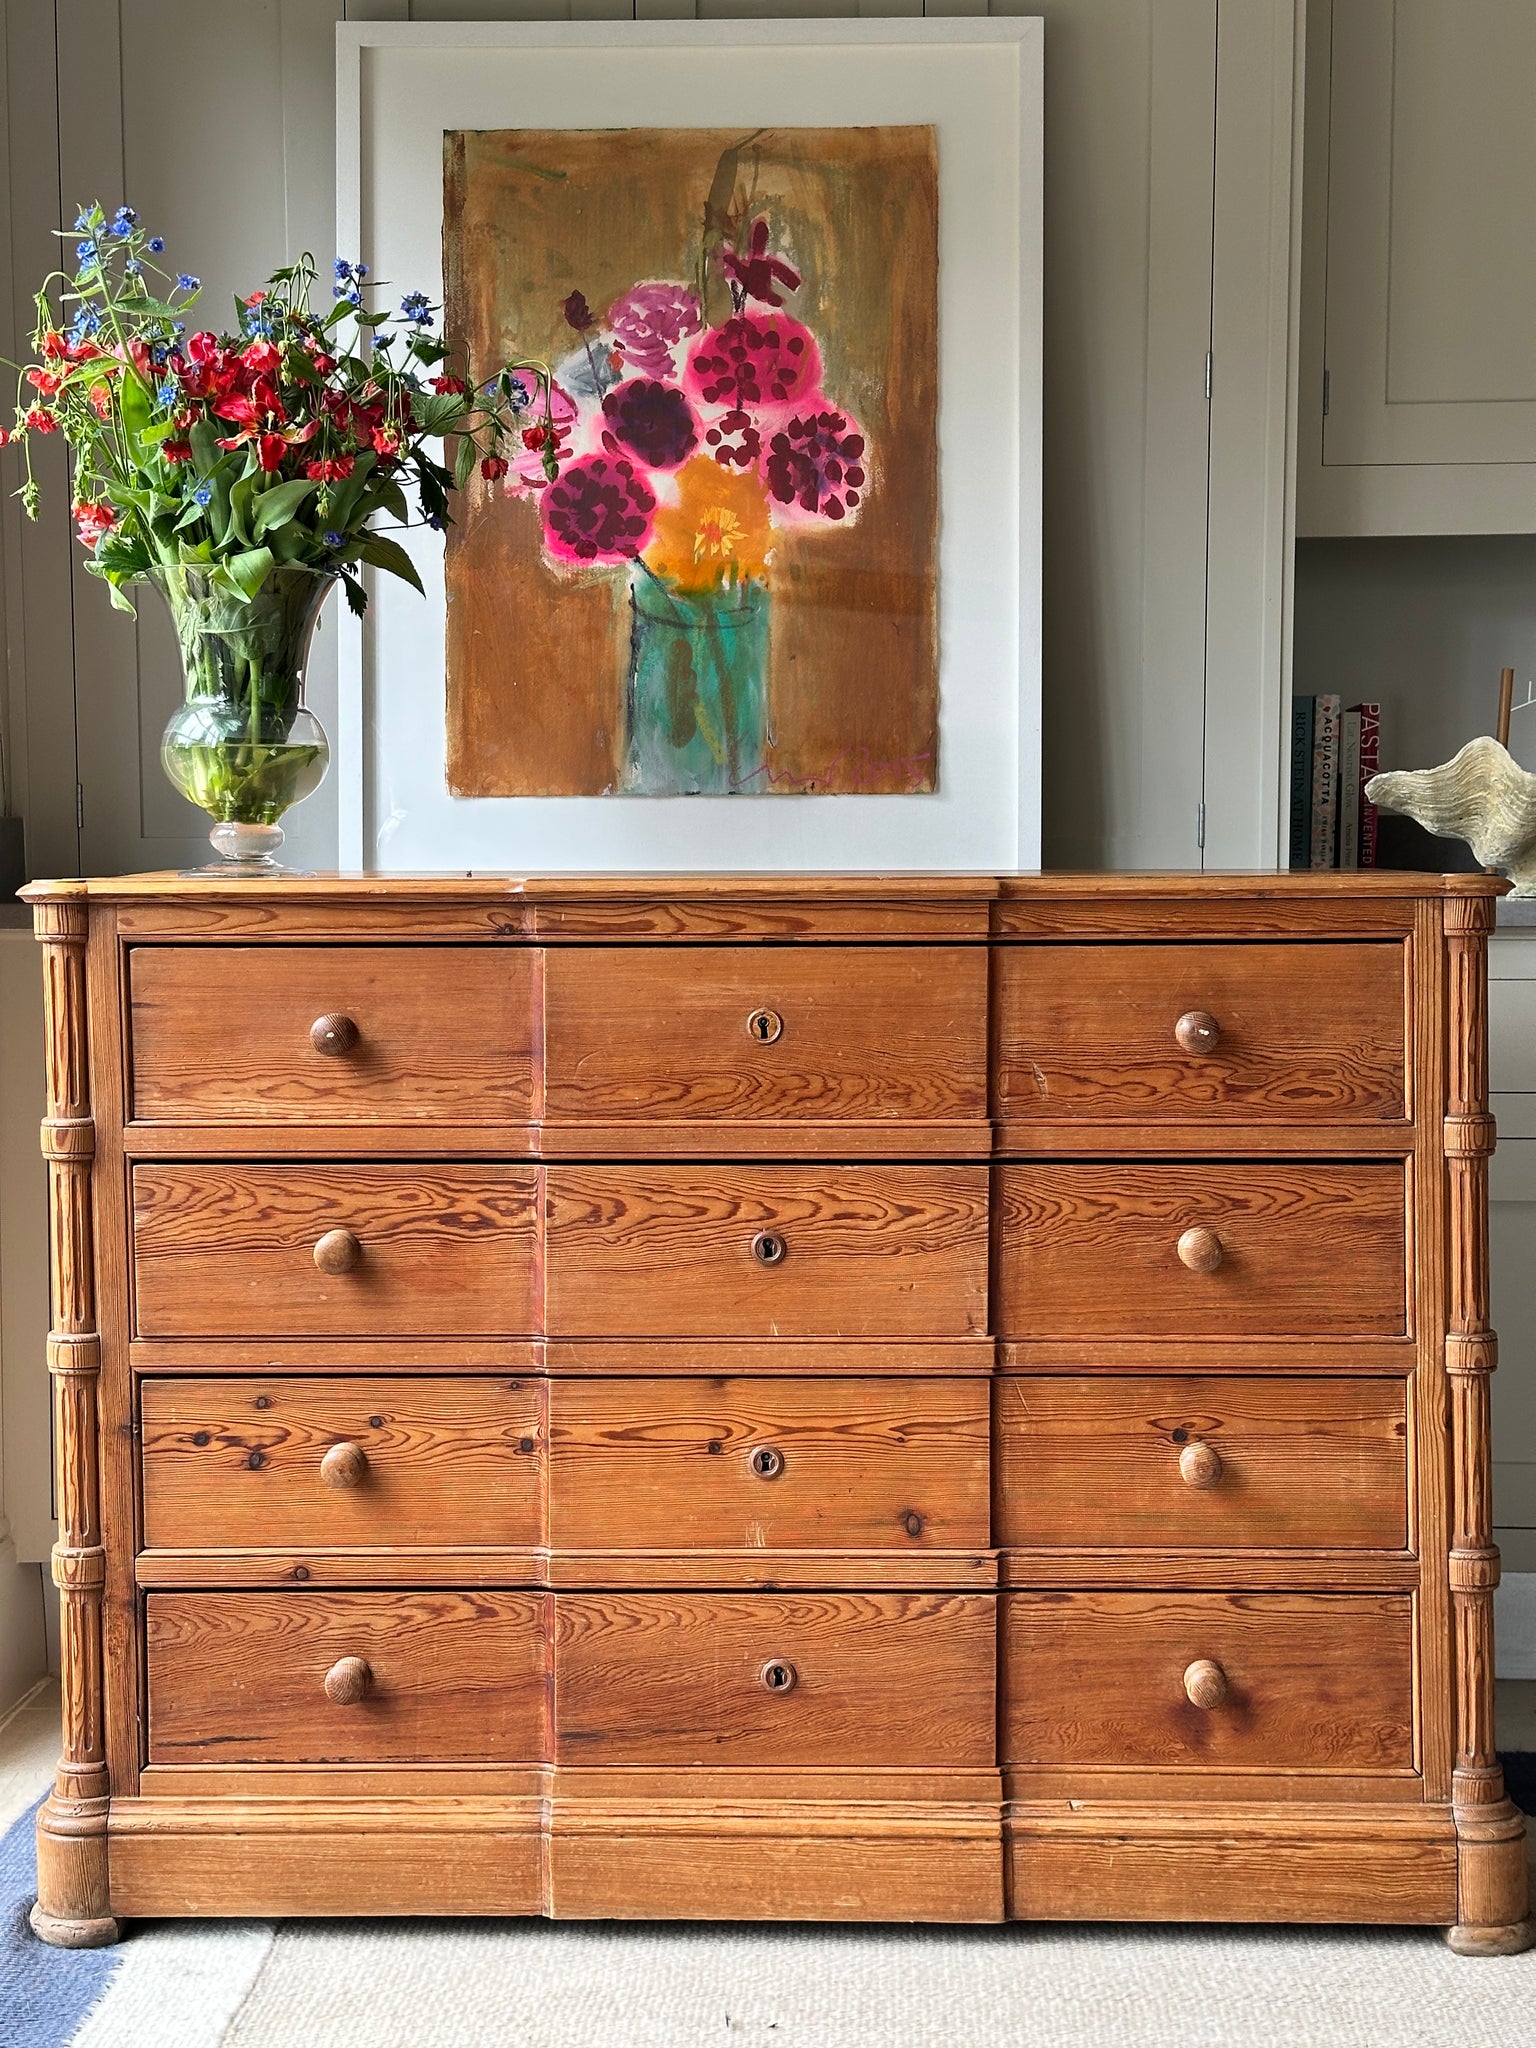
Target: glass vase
point(697, 698)
point(244, 746)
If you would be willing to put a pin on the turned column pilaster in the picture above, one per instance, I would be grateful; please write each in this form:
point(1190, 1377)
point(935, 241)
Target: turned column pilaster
point(73, 1909)
point(1492, 1902)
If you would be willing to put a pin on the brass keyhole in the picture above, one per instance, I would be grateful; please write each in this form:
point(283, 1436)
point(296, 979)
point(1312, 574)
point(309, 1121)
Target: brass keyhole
point(766, 1462)
point(777, 1675)
point(765, 1026)
point(768, 1248)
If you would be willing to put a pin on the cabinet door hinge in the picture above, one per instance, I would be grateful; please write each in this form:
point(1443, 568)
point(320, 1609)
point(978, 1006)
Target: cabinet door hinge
point(1200, 827)
point(79, 808)
point(1326, 382)
point(1207, 375)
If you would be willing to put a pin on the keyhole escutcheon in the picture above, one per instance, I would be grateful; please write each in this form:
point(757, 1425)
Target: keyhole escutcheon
point(768, 1248)
point(766, 1462)
point(778, 1675)
point(765, 1026)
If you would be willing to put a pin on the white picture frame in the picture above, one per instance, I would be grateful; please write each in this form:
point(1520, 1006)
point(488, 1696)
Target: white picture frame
point(400, 86)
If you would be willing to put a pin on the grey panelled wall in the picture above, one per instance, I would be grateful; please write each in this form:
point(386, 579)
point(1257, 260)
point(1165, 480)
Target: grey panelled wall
point(1168, 218)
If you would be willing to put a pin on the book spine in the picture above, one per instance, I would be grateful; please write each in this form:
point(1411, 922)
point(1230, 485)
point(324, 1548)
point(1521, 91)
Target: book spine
point(1370, 762)
point(1349, 791)
point(1301, 781)
point(1325, 783)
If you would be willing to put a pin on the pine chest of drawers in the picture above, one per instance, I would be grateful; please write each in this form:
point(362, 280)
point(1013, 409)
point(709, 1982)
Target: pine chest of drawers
point(938, 1398)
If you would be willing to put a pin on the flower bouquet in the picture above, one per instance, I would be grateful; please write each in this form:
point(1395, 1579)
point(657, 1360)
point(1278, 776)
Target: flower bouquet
point(683, 451)
point(241, 473)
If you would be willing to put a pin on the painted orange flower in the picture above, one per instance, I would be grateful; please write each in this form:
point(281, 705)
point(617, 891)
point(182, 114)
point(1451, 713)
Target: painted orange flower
point(717, 532)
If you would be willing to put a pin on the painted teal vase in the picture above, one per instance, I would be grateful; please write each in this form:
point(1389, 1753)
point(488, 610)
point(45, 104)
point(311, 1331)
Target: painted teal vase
point(696, 705)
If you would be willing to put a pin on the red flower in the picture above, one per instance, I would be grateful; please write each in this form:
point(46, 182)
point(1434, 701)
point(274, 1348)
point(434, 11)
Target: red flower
point(92, 521)
point(82, 351)
point(176, 451)
point(297, 436)
point(39, 421)
point(100, 400)
point(454, 384)
point(386, 440)
point(756, 274)
point(203, 348)
point(46, 381)
point(325, 364)
point(5, 437)
point(261, 355)
point(270, 450)
point(329, 469)
point(53, 347)
point(578, 313)
point(493, 467)
point(256, 298)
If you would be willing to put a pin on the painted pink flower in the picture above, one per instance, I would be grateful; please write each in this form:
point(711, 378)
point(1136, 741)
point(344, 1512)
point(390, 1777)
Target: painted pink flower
point(754, 274)
point(600, 509)
point(650, 321)
point(816, 463)
point(650, 420)
point(734, 439)
point(753, 360)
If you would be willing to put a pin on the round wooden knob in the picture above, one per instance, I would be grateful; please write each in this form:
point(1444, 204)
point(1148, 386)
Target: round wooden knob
point(766, 1462)
point(333, 1034)
point(346, 1465)
point(337, 1252)
point(1200, 1250)
point(765, 1026)
point(1199, 1465)
point(768, 1248)
point(347, 1681)
point(1197, 1031)
point(778, 1675)
point(1205, 1683)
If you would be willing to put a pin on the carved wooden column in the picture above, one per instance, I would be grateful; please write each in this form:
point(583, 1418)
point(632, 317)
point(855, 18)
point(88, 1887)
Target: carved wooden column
point(1491, 1908)
point(73, 1909)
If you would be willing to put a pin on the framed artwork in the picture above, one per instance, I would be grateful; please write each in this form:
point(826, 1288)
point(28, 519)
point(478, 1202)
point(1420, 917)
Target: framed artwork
point(780, 606)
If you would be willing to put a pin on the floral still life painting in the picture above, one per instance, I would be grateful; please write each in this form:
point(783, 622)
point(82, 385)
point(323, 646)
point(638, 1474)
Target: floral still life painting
point(728, 586)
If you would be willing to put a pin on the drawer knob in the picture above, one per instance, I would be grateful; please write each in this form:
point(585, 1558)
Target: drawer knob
point(1199, 1465)
point(1198, 1031)
point(1205, 1683)
point(768, 1248)
point(1200, 1250)
point(766, 1462)
point(344, 1465)
point(333, 1034)
point(337, 1252)
point(778, 1675)
point(765, 1026)
point(347, 1681)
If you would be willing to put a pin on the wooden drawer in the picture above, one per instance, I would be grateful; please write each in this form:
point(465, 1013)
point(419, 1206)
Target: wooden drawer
point(678, 1680)
point(751, 1464)
point(1201, 1463)
point(230, 1251)
point(1318, 1681)
point(242, 1677)
point(226, 1034)
point(862, 1034)
point(238, 1464)
point(1306, 1034)
point(1304, 1250)
point(856, 1251)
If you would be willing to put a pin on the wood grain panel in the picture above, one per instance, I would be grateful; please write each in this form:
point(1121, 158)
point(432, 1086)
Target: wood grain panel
point(232, 1463)
point(742, 1464)
point(221, 1034)
point(863, 1034)
point(1312, 1034)
point(1307, 1250)
point(674, 1679)
point(228, 1251)
point(1315, 1681)
point(1300, 1463)
point(876, 1251)
point(240, 1677)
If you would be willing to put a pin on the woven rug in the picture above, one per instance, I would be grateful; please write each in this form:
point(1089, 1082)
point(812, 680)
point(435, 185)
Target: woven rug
point(536, 1984)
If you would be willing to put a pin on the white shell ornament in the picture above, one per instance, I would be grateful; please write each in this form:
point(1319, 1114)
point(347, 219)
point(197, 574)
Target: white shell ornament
point(1482, 796)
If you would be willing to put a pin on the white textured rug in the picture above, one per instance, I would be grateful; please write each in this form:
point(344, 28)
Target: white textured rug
point(536, 1985)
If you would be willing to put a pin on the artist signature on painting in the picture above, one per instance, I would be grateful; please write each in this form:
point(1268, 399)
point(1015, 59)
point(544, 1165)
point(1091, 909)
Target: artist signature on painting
point(857, 772)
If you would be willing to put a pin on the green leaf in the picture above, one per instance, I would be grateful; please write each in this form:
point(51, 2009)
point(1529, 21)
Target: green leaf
point(277, 506)
point(387, 554)
point(133, 401)
point(388, 494)
point(463, 462)
point(120, 554)
point(249, 571)
point(346, 497)
point(240, 508)
point(437, 412)
point(357, 597)
point(206, 452)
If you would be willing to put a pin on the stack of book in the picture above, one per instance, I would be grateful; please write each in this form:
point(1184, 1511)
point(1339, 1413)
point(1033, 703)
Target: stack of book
point(1335, 750)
